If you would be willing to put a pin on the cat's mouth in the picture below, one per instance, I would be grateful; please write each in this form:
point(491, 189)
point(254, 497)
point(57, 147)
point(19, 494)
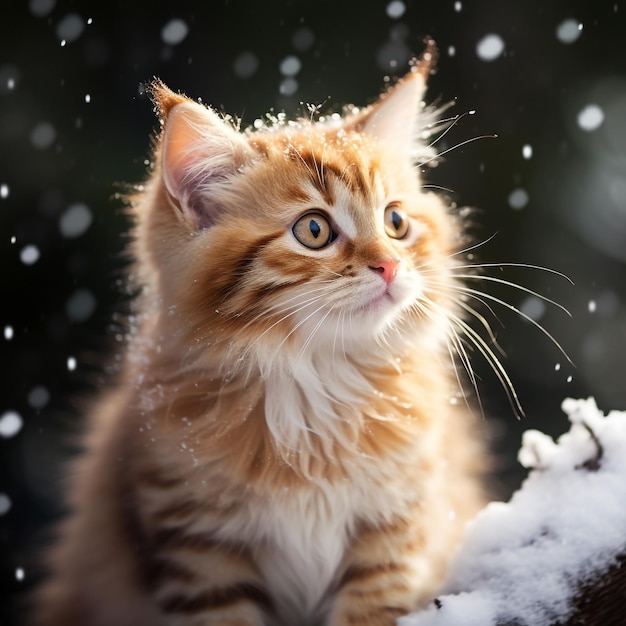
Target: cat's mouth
point(383, 301)
point(388, 299)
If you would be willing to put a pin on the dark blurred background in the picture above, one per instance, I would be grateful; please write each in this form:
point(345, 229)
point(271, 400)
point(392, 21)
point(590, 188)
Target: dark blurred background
point(549, 78)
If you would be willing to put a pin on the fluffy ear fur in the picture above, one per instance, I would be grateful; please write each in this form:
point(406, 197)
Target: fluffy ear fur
point(394, 119)
point(198, 149)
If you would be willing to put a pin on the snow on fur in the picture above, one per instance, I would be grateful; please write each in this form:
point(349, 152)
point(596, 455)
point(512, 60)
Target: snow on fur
point(521, 561)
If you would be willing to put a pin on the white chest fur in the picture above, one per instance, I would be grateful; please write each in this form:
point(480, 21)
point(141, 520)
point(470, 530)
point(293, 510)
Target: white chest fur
point(306, 538)
point(301, 535)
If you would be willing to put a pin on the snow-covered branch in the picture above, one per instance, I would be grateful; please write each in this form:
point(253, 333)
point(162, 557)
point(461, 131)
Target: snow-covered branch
point(553, 554)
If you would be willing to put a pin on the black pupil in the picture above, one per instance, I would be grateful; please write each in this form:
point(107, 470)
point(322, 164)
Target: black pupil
point(315, 229)
point(396, 220)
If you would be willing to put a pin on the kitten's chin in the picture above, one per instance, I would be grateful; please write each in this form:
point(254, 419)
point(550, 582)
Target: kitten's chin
point(389, 300)
point(381, 309)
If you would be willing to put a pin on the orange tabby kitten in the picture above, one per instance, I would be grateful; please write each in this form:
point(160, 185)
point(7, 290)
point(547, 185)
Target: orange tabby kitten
point(280, 448)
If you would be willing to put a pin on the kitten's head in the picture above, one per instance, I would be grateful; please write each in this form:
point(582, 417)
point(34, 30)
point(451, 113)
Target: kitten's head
point(305, 235)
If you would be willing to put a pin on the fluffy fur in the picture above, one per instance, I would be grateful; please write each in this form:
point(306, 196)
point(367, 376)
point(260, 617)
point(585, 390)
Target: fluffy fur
point(280, 448)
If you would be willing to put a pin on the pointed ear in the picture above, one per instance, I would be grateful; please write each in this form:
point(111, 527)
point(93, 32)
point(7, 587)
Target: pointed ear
point(198, 148)
point(394, 119)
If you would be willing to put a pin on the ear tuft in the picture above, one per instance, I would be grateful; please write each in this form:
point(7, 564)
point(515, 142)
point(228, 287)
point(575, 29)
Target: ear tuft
point(198, 150)
point(397, 117)
point(424, 66)
point(164, 98)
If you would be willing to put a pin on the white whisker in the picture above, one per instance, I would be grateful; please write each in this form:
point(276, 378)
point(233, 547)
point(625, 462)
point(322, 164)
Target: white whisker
point(491, 359)
point(296, 309)
point(475, 245)
point(300, 323)
point(338, 320)
point(513, 285)
point(440, 187)
point(454, 344)
point(449, 122)
point(474, 292)
point(481, 318)
point(279, 307)
point(459, 145)
point(521, 265)
point(308, 340)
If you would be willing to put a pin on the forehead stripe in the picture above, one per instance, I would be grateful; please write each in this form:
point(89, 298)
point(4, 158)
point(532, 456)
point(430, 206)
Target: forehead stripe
point(349, 172)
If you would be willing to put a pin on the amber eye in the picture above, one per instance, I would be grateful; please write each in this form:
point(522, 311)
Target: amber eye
point(396, 222)
point(314, 231)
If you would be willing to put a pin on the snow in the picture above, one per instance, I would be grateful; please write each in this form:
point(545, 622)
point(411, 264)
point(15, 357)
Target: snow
point(5, 503)
point(303, 39)
point(11, 423)
point(75, 220)
point(38, 397)
point(70, 28)
point(527, 151)
point(395, 52)
point(521, 560)
point(288, 86)
point(290, 65)
point(518, 198)
point(8, 332)
point(80, 305)
point(490, 47)
point(569, 30)
point(174, 32)
point(9, 77)
point(245, 64)
point(41, 8)
point(71, 363)
point(590, 117)
point(43, 135)
point(396, 9)
point(29, 255)
point(533, 307)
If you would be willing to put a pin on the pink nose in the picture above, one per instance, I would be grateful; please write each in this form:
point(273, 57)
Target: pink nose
point(387, 269)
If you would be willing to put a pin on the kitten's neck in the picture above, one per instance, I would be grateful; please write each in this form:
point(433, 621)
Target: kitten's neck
point(315, 404)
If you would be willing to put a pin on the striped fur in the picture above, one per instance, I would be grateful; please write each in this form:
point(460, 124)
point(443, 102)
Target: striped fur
point(280, 448)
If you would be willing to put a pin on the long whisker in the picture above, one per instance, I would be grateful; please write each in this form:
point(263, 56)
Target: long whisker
point(459, 348)
point(540, 268)
point(474, 246)
point(440, 187)
point(492, 359)
point(451, 123)
point(508, 283)
point(455, 344)
point(442, 121)
point(481, 318)
point(474, 292)
point(459, 145)
point(302, 321)
point(295, 309)
point(279, 309)
point(319, 324)
point(340, 335)
point(343, 336)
